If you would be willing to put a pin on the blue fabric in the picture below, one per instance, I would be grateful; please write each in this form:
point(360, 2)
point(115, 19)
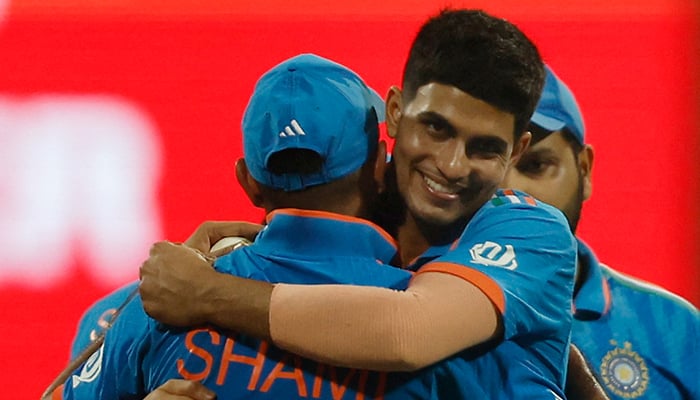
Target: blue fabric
point(641, 340)
point(557, 108)
point(97, 316)
point(309, 102)
point(139, 354)
point(531, 257)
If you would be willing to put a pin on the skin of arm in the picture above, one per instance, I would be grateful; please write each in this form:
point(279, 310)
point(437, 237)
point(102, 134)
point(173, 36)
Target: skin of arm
point(176, 309)
point(181, 389)
point(580, 381)
point(180, 288)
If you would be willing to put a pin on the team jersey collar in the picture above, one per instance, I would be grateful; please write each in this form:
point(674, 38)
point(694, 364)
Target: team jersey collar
point(429, 255)
point(299, 231)
point(593, 298)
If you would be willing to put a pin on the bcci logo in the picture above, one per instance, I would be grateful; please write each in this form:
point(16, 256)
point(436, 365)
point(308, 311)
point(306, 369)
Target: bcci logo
point(624, 372)
point(493, 254)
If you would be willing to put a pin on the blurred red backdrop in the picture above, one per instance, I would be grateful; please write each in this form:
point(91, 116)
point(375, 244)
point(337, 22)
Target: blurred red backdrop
point(119, 126)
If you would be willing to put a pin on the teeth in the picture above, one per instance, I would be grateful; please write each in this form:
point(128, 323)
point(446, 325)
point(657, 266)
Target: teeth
point(438, 187)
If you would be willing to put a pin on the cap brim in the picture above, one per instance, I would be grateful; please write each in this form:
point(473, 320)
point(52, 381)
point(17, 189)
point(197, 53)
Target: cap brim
point(378, 103)
point(547, 123)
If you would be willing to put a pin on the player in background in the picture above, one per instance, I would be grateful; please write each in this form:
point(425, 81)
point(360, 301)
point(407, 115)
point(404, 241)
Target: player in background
point(470, 86)
point(619, 321)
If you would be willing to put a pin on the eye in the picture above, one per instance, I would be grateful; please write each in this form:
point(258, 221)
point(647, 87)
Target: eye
point(435, 126)
point(534, 165)
point(486, 147)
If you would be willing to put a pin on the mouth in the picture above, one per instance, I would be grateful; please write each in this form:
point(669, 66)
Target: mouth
point(446, 192)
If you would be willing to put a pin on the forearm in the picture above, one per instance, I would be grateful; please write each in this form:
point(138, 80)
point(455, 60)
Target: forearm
point(179, 287)
point(382, 329)
point(238, 304)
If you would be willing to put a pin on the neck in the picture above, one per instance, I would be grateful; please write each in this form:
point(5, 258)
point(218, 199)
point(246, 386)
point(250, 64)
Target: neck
point(414, 237)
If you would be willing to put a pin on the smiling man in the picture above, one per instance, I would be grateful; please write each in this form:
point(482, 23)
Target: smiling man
point(470, 85)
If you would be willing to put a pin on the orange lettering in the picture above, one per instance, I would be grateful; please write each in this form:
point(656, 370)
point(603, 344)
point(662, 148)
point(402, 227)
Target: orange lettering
point(228, 356)
point(198, 351)
point(296, 375)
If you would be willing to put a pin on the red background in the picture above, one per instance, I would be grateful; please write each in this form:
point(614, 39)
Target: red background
point(633, 66)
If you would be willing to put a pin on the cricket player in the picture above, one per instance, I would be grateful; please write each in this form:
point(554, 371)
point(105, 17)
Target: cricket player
point(313, 161)
point(495, 267)
point(619, 321)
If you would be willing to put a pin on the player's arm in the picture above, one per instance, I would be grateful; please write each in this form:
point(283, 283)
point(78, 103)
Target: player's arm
point(581, 384)
point(181, 389)
point(437, 316)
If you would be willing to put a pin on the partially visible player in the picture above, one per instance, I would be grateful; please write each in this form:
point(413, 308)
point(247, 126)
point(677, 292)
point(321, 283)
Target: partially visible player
point(641, 340)
point(98, 317)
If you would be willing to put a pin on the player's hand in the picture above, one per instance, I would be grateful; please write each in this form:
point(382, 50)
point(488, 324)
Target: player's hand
point(180, 389)
point(174, 282)
point(211, 232)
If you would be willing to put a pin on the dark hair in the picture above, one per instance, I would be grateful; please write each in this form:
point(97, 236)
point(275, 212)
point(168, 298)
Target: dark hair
point(573, 142)
point(487, 57)
point(539, 133)
point(295, 161)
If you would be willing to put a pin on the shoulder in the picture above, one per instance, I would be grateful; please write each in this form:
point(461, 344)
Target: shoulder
point(651, 292)
point(517, 206)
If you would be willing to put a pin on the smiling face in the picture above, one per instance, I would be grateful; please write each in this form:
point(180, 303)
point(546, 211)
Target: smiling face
point(451, 152)
point(552, 172)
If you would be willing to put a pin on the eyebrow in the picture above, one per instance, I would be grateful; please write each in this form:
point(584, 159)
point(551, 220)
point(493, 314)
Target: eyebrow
point(540, 152)
point(433, 116)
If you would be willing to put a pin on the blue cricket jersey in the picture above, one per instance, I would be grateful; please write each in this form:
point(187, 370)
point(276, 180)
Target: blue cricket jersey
point(96, 318)
point(521, 253)
point(642, 341)
point(309, 247)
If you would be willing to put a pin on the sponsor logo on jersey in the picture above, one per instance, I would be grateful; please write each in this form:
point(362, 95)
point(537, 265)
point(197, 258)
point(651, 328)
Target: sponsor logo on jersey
point(494, 255)
point(624, 372)
point(91, 369)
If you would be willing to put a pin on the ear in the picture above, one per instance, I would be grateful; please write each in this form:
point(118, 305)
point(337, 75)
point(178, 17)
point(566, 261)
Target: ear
point(585, 165)
point(394, 107)
point(520, 146)
point(380, 166)
point(248, 183)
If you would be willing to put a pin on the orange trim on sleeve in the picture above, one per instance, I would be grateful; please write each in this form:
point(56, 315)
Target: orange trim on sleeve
point(477, 278)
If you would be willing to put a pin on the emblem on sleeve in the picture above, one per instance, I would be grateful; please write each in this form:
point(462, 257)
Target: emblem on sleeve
point(624, 372)
point(91, 369)
point(493, 254)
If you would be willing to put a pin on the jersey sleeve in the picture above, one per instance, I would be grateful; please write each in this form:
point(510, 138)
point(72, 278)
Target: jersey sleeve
point(115, 370)
point(95, 318)
point(522, 255)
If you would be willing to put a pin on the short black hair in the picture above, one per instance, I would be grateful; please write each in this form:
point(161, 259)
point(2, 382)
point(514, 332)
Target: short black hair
point(487, 57)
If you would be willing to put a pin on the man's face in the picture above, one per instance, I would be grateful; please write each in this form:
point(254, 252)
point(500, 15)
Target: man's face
point(551, 172)
point(451, 152)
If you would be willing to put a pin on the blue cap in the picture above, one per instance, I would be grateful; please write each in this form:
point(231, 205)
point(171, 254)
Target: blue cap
point(309, 102)
point(557, 108)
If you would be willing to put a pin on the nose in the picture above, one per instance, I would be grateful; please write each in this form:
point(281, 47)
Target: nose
point(452, 161)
